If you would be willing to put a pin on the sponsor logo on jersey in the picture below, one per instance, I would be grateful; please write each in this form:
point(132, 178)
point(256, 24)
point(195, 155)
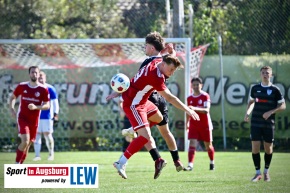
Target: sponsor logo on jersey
point(261, 100)
point(37, 94)
point(199, 101)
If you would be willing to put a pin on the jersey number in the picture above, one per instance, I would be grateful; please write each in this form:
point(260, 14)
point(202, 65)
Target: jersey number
point(139, 74)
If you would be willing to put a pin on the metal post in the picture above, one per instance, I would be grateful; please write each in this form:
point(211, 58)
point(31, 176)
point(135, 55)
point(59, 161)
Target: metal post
point(190, 15)
point(178, 18)
point(222, 92)
point(168, 18)
point(187, 87)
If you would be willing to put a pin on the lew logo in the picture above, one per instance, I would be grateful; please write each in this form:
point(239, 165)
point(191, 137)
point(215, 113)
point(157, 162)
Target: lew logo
point(83, 175)
point(51, 176)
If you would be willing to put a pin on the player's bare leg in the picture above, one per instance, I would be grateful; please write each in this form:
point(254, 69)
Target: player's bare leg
point(171, 144)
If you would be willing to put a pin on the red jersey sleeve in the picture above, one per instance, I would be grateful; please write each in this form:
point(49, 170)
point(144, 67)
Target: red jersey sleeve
point(46, 96)
point(18, 90)
point(159, 83)
point(161, 87)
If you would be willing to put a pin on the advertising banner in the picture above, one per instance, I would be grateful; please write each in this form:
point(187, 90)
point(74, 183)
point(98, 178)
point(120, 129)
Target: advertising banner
point(240, 74)
point(85, 113)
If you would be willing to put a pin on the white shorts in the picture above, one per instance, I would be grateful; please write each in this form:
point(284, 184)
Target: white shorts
point(45, 125)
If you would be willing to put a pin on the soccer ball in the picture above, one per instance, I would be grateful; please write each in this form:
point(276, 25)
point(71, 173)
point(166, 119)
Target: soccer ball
point(120, 82)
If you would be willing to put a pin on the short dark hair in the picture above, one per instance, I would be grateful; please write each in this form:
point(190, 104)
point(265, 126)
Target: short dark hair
point(198, 79)
point(31, 68)
point(155, 39)
point(266, 68)
point(168, 59)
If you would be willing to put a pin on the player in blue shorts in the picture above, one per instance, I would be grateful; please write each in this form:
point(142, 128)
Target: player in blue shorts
point(48, 119)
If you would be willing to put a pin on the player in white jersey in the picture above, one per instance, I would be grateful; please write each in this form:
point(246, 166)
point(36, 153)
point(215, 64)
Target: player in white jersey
point(48, 119)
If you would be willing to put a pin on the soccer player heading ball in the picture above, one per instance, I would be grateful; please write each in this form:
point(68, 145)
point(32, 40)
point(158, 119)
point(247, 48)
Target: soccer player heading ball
point(139, 109)
point(154, 49)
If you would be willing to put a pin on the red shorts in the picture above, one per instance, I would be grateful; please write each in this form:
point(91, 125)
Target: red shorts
point(138, 114)
point(24, 127)
point(201, 134)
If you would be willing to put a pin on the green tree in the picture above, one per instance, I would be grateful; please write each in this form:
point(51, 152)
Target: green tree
point(247, 27)
point(145, 16)
point(61, 19)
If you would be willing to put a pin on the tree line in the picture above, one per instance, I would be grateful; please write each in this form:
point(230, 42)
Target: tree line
point(247, 27)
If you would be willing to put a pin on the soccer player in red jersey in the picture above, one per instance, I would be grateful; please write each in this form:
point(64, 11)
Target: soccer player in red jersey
point(34, 97)
point(154, 49)
point(265, 101)
point(138, 108)
point(199, 101)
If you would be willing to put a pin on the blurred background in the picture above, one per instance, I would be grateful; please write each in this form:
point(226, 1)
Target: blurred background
point(253, 33)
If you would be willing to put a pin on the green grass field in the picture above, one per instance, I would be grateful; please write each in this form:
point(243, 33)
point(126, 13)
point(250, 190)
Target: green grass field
point(232, 174)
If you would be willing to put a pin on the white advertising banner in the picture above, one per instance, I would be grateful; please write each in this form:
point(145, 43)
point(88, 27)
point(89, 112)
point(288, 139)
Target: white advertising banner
point(51, 176)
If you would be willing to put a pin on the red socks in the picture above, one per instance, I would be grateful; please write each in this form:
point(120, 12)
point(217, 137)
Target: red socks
point(191, 152)
point(135, 146)
point(210, 153)
point(19, 155)
point(23, 157)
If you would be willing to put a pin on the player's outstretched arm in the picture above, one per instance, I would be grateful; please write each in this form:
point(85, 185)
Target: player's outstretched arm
point(204, 110)
point(178, 104)
point(112, 95)
point(12, 105)
point(169, 49)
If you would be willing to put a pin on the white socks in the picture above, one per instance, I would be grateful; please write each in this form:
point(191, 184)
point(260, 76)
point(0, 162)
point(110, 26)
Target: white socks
point(37, 145)
point(49, 143)
point(123, 160)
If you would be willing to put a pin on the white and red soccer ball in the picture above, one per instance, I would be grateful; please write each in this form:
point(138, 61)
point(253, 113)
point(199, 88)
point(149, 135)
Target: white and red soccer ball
point(120, 83)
